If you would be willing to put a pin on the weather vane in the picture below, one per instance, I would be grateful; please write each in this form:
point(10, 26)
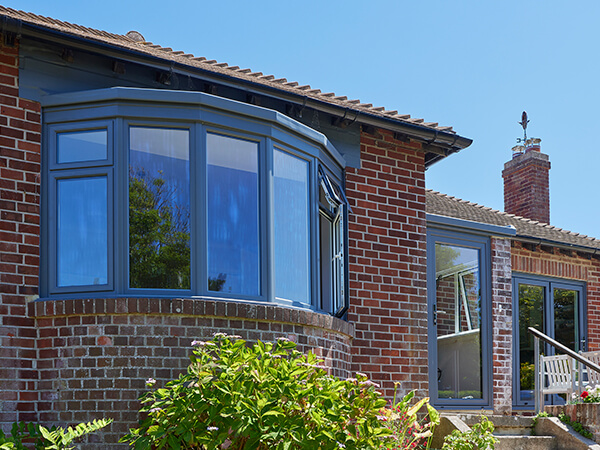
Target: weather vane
point(524, 121)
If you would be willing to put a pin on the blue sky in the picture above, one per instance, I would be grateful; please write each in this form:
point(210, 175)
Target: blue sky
point(475, 65)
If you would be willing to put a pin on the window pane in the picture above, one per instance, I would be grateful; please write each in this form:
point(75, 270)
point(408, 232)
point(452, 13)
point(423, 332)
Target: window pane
point(159, 208)
point(82, 146)
point(327, 265)
point(531, 314)
point(458, 298)
point(82, 238)
point(233, 221)
point(565, 318)
point(291, 227)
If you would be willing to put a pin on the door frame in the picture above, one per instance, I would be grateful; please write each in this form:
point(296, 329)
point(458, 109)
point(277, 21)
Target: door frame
point(549, 284)
point(482, 244)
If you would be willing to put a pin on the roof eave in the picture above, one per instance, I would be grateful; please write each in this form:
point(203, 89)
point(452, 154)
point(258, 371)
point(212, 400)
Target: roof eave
point(436, 142)
point(561, 245)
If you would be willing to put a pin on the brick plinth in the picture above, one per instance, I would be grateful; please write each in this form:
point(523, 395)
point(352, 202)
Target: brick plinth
point(587, 414)
point(388, 301)
point(20, 129)
point(95, 354)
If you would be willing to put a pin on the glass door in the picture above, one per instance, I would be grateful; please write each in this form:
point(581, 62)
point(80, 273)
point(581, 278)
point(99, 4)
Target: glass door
point(459, 311)
point(556, 309)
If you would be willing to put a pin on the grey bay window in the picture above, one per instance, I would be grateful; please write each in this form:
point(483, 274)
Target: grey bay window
point(163, 193)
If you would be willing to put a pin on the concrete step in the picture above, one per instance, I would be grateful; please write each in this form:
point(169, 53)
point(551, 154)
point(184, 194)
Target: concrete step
point(527, 443)
point(515, 432)
point(504, 422)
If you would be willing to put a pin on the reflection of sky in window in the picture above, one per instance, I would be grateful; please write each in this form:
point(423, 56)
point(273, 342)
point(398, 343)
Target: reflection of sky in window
point(232, 215)
point(291, 227)
point(163, 153)
point(82, 146)
point(82, 240)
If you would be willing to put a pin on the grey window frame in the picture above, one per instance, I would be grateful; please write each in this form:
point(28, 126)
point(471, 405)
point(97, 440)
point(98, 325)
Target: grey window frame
point(548, 283)
point(201, 275)
point(338, 223)
point(312, 218)
point(119, 108)
point(88, 125)
point(482, 243)
point(83, 169)
point(123, 204)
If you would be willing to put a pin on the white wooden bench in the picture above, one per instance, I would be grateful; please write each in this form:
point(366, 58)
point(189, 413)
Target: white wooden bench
point(593, 377)
point(559, 374)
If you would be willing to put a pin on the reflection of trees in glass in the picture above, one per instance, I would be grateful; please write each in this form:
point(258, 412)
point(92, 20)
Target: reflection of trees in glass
point(564, 317)
point(531, 314)
point(217, 283)
point(159, 234)
point(527, 376)
point(445, 256)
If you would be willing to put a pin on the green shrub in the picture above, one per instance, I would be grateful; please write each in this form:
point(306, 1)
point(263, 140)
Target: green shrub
point(479, 437)
point(577, 426)
point(43, 438)
point(265, 396)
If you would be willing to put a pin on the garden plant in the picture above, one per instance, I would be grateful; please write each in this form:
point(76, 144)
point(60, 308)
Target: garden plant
point(479, 437)
point(28, 435)
point(271, 396)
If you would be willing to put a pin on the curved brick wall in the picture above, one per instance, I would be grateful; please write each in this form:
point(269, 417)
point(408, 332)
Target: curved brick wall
point(95, 354)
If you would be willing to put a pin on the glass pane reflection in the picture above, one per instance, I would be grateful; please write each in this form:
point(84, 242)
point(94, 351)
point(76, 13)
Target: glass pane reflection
point(565, 318)
point(291, 227)
point(458, 299)
point(159, 208)
point(82, 240)
point(82, 146)
point(233, 224)
point(531, 314)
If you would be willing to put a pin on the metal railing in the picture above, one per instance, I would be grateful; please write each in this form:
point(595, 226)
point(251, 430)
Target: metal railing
point(539, 398)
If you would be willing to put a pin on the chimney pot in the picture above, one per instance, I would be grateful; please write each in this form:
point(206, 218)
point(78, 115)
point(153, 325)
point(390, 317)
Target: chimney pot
point(517, 150)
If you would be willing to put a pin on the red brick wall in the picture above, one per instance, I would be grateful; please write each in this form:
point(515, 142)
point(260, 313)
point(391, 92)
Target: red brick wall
point(388, 301)
point(95, 354)
point(502, 342)
point(574, 266)
point(527, 186)
point(19, 242)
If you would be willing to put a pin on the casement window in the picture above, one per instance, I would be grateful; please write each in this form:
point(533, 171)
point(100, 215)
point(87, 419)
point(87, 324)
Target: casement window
point(160, 193)
point(331, 233)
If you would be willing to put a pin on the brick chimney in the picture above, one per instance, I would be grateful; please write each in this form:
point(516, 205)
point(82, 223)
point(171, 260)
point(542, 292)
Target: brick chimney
point(526, 182)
